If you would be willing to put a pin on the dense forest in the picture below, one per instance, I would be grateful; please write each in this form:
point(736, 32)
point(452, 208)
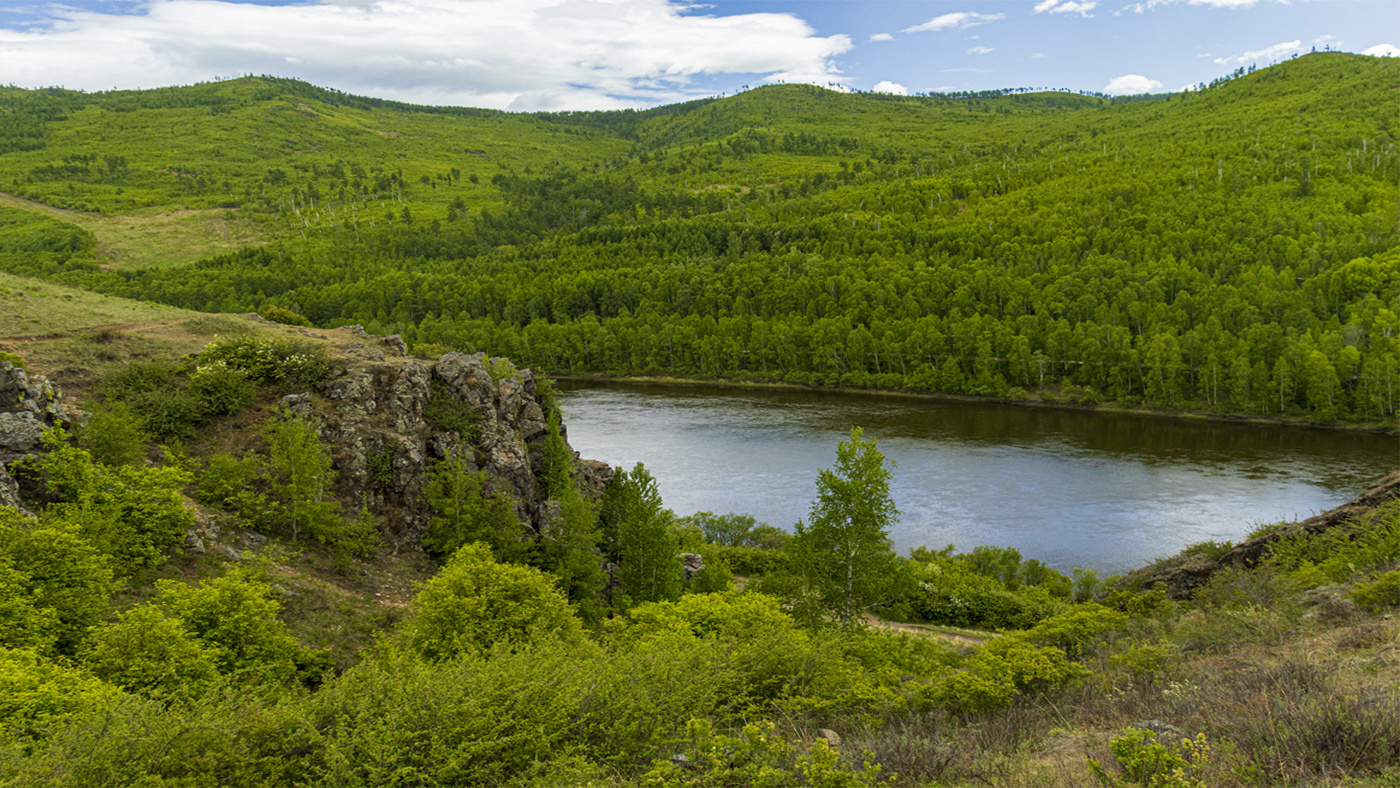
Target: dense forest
point(1229, 250)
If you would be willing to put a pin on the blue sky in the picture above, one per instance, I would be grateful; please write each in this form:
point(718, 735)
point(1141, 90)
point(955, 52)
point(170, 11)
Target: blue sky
point(604, 54)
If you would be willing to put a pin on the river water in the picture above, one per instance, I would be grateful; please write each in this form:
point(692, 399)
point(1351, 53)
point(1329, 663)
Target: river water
point(1108, 492)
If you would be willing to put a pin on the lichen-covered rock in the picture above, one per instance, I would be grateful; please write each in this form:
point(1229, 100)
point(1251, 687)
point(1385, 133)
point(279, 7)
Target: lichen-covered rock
point(29, 405)
point(375, 415)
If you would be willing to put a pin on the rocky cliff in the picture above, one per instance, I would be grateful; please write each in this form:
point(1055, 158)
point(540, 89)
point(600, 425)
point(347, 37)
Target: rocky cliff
point(29, 404)
point(387, 416)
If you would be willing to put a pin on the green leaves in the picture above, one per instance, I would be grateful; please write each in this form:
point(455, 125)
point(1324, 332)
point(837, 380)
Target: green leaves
point(843, 554)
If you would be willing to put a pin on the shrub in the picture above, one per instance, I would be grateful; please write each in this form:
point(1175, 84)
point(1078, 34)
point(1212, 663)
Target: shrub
point(114, 435)
point(149, 651)
point(467, 514)
point(1000, 670)
point(235, 617)
point(1142, 760)
point(448, 413)
point(24, 622)
point(1382, 592)
point(475, 603)
point(224, 478)
point(14, 359)
point(63, 573)
point(271, 360)
point(757, 756)
point(131, 514)
point(300, 475)
point(284, 316)
point(36, 693)
point(489, 719)
point(1077, 631)
point(221, 389)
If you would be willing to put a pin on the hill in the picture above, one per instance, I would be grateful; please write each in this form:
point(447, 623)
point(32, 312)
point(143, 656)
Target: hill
point(246, 601)
point(1232, 250)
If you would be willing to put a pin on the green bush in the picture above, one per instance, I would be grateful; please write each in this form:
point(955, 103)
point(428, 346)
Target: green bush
point(1382, 592)
point(132, 514)
point(14, 359)
point(35, 693)
point(466, 513)
point(220, 388)
point(284, 316)
point(448, 413)
point(24, 621)
point(1142, 760)
point(114, 435)
point(299, 476)
point(757, 756)
point(479, 719)
point(149, 651)
point(277, 360)
point(63, 574)
point(475, 603)
point(234, 617)
point(999, 671)
point(1077, 631)
point(224, 478)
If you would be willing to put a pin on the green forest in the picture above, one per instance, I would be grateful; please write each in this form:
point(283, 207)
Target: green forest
point(199, 587)
point(1228, 250)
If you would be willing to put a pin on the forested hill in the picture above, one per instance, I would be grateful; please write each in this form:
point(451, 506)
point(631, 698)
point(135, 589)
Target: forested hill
point(1229, 250)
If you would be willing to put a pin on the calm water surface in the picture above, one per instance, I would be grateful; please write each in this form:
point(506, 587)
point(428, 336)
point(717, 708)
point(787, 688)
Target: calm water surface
point(1074, 489)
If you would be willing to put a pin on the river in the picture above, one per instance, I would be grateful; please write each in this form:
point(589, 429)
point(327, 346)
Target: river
point(1072, 488)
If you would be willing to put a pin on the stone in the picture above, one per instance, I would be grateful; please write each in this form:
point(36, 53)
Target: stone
point(832, 737)
point(693, 563)
point(194, 544)
point(20, 433)
point(231, 553)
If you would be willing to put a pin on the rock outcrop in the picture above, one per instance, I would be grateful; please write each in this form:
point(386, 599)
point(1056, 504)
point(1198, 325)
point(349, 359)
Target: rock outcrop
point(1182, 576)
point(29, 404)
point(387, 417)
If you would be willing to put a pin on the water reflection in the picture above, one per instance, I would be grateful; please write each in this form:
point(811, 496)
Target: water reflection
point(1072, 488)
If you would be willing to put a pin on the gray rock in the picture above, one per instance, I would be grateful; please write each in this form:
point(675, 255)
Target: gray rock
point(231, 553)
point(832, 737)
point(21, 432)
point(194, 543)
point(693, 564)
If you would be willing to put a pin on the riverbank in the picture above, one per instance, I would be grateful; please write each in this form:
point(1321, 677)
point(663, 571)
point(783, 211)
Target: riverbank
point(1088, 407)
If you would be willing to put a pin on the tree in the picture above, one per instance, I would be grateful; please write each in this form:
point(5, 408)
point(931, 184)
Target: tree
point(300, 475)
point(844, 556)
point(649, 561)
point(467, 513)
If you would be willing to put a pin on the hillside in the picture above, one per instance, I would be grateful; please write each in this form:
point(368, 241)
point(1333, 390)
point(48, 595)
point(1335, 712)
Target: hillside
point(1229, 251)
point(277, 591)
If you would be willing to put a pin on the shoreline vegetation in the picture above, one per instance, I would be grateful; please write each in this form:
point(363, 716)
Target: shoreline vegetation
point(1089, 407)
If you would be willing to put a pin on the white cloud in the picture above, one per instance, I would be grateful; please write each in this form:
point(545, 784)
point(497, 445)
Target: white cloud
point(1382, 50)
point(1081, 7)
point(980, 50)
point(891, 87)
point(1275, 52)
point(882, 37)
point(1131, 85)
point(517, 54)
point(1147, 5)
point(959, 20)
point(1037, 55)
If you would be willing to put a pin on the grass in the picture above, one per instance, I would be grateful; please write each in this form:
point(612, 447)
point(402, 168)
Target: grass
point(153, 238)
point(31, 309)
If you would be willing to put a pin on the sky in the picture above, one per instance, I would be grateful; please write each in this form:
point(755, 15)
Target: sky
point(529, 55)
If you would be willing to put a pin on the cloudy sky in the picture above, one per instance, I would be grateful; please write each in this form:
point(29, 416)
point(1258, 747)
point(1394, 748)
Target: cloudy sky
point(604, 54)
